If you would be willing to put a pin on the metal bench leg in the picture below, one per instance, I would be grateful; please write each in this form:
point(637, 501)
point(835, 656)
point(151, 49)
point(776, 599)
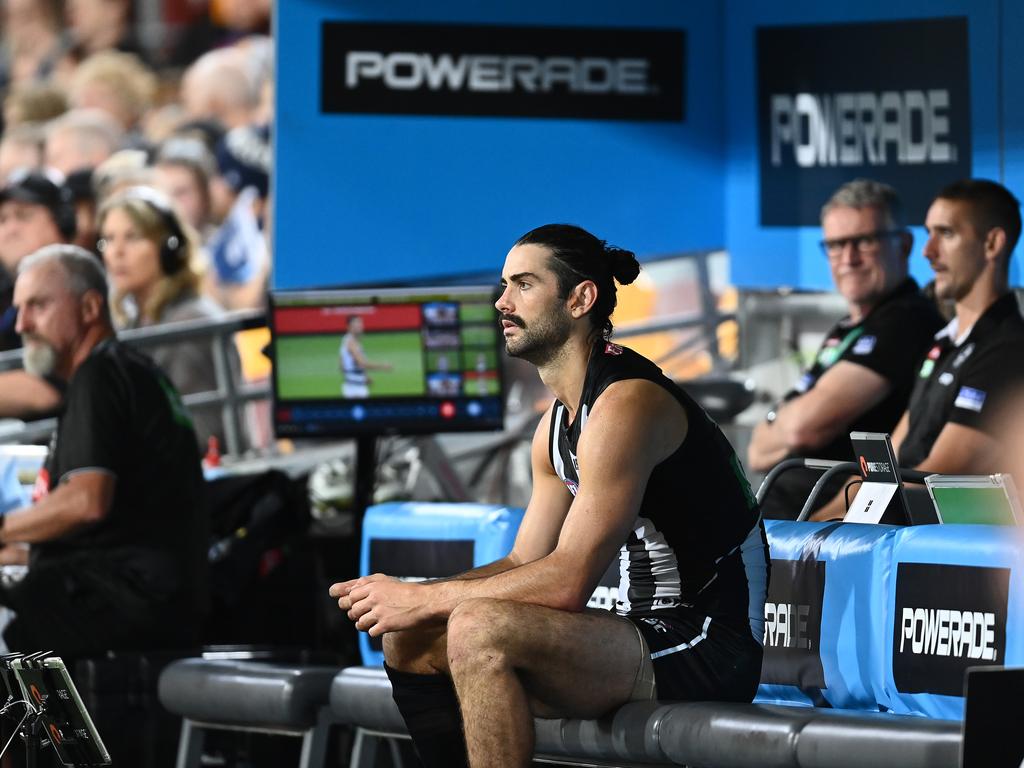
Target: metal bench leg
point(314, 741)
point(364, 750)
point(190, 745)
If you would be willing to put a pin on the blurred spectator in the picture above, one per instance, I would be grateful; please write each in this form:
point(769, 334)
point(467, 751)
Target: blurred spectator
point(100, 25)
point(21, 148)
point(241, 15)
point(81, 138)
point(117, 83)
point(35, 210)
point(238, 195)
point(153, 266)
point(34, 103)
point(84, 198)
point(219, 86)
point(123, 169)
point(32, 43)
point(184, 168)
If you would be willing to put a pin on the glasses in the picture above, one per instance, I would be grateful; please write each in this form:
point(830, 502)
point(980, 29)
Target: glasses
point(864, 244)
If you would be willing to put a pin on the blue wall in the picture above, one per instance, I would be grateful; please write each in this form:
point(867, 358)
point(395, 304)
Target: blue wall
point(790, 256)
point(363, 198)
point(373, 198)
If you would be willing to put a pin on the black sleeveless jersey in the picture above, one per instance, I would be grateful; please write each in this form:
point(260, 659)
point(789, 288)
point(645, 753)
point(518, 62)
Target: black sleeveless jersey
point(697, 543)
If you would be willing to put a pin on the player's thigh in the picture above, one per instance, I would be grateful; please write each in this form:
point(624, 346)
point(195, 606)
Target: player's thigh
point(571, 664)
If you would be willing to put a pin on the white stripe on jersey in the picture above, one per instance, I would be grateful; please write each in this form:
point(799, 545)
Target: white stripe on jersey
point(683, 646)
point(648, 571)
point(556, 455)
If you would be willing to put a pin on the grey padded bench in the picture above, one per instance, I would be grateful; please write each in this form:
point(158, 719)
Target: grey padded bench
point(256, 696)
point(697, 734)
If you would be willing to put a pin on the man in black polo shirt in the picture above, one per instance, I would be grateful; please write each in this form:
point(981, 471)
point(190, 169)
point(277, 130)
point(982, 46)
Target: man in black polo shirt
point(118, 528)
point(976, 360)
point(862, 375)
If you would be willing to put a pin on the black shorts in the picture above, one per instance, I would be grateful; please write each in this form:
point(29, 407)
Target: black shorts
point(697, 658)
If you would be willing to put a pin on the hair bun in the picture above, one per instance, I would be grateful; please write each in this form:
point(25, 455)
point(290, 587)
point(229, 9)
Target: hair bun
point(624, 266)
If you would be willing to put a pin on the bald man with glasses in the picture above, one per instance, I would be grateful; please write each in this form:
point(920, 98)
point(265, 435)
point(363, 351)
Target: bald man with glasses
point(863, 373)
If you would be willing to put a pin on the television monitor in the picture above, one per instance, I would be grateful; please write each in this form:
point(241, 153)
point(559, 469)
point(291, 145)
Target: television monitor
point(351, 362)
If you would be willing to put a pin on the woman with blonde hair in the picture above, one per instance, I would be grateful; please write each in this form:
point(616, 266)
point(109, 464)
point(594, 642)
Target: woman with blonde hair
point(153, 266)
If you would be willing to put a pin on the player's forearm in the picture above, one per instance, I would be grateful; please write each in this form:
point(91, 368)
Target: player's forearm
point(491, 569)
point(26, 396)
point(550, 581)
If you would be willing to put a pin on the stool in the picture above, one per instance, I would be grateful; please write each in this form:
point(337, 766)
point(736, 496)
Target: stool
point(253, 696)
point(361, 696)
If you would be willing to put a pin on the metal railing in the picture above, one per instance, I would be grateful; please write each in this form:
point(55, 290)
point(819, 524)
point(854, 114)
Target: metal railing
point(231, 393)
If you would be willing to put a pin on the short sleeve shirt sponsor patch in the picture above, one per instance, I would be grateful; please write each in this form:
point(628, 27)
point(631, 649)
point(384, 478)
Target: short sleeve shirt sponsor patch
point(865, 345)
point(970, 398)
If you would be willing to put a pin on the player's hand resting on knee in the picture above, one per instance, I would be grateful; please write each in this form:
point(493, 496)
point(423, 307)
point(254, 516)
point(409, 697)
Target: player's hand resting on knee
point(379, 603)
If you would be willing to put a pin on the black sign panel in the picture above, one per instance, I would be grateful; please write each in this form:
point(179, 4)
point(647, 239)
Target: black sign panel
point(792, 624)
point(418, 559)
point(948, 618)
point(430, 69)
point(885, 100)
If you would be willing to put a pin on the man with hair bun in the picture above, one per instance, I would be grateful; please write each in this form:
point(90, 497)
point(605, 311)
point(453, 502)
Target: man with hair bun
point(626, 468)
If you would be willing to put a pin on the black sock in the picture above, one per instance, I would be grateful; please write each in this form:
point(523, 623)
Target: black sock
point(431, 712)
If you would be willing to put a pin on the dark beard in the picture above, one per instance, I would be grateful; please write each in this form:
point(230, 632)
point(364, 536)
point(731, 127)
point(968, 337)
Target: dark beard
point(542, 340)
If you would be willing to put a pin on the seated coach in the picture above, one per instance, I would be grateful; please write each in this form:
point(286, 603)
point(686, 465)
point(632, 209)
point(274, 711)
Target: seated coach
point(117, 531)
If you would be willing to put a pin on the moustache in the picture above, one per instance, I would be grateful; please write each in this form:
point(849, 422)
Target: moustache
point(515, 320)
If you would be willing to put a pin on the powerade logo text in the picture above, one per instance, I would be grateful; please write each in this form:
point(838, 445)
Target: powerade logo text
point(786, 625)
point(906, 127)
point(824, 119)
point(631, 74)
point(407, 71)
point(792, 624)
point(941, 632)
point(947, 618)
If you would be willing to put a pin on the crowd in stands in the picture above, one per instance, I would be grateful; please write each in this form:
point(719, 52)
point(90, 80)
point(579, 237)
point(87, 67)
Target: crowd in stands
point(146, 143)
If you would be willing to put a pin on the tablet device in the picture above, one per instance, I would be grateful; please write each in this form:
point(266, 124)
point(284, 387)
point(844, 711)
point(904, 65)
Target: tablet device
point(975, 499)
point(47, 687)
point(880, 498)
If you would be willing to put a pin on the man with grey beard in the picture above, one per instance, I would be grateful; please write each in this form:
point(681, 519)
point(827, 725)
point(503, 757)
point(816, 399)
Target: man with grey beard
point(117, 527)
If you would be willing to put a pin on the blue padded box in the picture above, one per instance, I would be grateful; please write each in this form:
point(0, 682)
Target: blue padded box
point(825, 600)
point(955, 599)
point(417, 541)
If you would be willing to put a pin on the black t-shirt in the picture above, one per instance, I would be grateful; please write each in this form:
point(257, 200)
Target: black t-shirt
point(890, 341)
point(9, 339)
point(697, 542)
point(965, 383)
point(123, 417)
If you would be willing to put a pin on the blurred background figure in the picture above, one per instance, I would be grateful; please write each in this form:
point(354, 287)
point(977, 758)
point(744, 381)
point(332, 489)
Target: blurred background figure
point(239, 195)
point(32, 41)
point(153, 266)
point(116, 83)
point(34, 102)
point(220, 86)
point(183, 170)
point(35, 210)
point(21, 148)
point(100, 25)
point(81, 138)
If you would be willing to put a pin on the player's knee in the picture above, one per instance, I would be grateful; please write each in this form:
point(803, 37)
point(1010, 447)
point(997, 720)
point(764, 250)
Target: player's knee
point(405, 650)
point(476, 632)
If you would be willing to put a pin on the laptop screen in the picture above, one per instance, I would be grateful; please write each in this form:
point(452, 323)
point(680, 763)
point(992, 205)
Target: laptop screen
point(974, 499)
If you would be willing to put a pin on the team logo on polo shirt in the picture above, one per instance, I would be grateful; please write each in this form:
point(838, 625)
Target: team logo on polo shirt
point(970, 398)
point(865, 345)
point(963, 355)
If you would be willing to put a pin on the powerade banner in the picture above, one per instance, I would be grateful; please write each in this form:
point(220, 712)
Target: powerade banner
point(948, 618)
point(841, 101)
point(792, 624)
point(432, 69)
